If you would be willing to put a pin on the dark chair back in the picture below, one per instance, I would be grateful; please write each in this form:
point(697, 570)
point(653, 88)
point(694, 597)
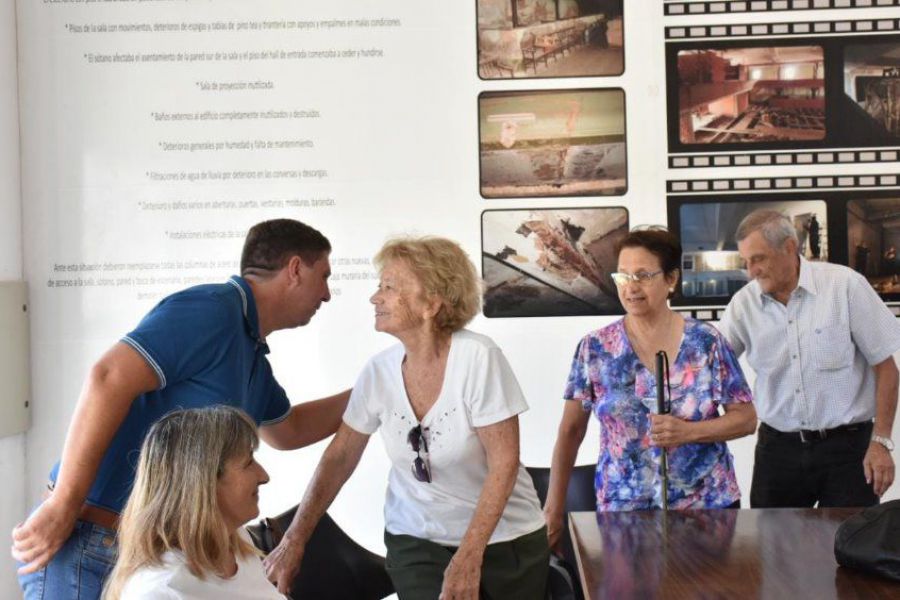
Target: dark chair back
point(580, 496)
point(334, 566)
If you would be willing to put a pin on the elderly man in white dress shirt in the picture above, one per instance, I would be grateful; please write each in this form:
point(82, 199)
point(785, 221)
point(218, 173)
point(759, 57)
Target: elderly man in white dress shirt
point(821, 342)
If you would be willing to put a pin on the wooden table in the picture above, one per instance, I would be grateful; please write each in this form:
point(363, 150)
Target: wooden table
point(754, 553)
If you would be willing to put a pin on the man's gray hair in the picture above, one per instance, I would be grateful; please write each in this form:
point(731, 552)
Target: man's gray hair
point(775, 227)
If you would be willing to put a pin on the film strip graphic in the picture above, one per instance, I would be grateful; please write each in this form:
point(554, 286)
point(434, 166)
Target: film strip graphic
point(752, 6)
point(779, 184)
point(798, 157)
point(714, 313)
point(706, 313)
point(800, 28)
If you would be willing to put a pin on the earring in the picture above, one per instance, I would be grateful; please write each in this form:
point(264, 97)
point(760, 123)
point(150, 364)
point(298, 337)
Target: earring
point(671, 290)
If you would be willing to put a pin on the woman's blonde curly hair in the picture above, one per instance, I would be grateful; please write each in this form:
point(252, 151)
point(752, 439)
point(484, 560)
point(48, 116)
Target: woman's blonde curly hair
point(444, 270)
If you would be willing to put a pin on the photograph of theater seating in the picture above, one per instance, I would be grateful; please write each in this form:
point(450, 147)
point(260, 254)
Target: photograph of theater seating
point(551, 262)
point(872, 81)
point(751, 95)
point(711, 265)
point(550, 38)
point(873, 238)
point(552, 143)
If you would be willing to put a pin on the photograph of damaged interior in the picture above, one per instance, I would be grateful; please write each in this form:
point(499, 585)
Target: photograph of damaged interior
point(552, 143)
point(550, 38)
point(873, 237)
point(710, 263)
point(751, 95)
point(872, 80)
point(551, 262)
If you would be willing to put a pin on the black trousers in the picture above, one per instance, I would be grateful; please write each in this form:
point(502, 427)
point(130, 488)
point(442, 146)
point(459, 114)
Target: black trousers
point(788, 472)
point(516, 569)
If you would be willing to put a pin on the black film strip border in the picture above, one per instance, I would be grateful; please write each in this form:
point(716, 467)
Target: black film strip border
point(800, 28)
point(781, 184)
point(672, 9)
point(714, 313)
point(798, 157)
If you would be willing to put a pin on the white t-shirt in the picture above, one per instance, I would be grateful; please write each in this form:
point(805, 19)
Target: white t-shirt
point(479, 389)
point(173, 581)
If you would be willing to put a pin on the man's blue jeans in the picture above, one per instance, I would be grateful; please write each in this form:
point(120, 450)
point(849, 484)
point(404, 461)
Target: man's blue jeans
point(78, 570)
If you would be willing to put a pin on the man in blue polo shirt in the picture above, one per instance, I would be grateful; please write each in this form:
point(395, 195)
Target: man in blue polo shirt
point(201, 346)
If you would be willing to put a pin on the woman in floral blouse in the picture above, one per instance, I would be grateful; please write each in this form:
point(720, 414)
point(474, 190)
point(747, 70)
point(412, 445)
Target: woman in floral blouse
point(613, 376)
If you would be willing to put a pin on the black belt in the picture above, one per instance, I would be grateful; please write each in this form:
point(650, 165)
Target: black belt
point(807, 436)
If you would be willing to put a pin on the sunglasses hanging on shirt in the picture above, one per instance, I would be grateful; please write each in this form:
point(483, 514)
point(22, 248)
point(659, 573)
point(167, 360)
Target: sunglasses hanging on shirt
point(416, 440)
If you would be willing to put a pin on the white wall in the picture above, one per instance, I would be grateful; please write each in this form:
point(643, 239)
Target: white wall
point(12, 448)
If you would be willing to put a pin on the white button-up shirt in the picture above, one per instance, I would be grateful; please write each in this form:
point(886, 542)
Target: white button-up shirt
point(813, 357)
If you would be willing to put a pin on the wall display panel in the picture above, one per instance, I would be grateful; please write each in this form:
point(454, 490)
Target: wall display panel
point(552, 143)
point(550, 38)
point(551, 262)
point(856, 227)
point(872, 81)
point(873, 237)
point(676, 7)
point(738, 96)
point(753, 102)
point(712, 269)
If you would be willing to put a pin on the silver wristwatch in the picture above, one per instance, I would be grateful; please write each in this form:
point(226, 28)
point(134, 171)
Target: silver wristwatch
point(884, 441)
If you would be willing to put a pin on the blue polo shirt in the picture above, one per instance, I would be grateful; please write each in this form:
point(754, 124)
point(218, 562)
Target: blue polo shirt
point(204, 345)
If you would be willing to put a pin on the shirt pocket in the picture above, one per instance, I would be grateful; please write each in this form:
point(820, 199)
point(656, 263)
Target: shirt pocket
point(768, 350)
point(832, 347)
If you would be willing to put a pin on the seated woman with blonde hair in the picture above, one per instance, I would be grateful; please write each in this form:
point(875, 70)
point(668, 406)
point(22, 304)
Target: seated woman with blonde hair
point(181, 536)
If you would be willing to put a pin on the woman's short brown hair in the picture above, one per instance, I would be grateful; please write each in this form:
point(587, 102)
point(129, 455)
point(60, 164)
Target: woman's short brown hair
point(444, 270)
point(658, 241)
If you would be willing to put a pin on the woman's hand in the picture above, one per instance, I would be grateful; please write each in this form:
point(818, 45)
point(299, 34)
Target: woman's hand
point(338, 461)
point(462, 578)
point(554, 531)
point(669, 432)
point(283, 564)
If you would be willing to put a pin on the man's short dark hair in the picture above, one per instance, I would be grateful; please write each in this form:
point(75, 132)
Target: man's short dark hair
point(270, 244)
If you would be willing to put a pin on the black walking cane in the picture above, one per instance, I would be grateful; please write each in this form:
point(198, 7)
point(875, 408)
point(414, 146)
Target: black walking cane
point(663, 408)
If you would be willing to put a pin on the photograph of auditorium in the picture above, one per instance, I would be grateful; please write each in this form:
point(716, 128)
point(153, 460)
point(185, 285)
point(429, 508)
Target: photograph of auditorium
point(552, 143)
point(711, 265)
point(872, 81)
point(551, 262)
point(751, 95)
point(873, 237)
point(550, 38)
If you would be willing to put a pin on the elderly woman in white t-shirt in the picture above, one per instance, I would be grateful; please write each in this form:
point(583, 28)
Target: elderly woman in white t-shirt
point(461, 515)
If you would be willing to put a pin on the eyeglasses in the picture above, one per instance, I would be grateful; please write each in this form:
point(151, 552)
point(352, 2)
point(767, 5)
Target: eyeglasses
point(640, 278)
point(417, 441)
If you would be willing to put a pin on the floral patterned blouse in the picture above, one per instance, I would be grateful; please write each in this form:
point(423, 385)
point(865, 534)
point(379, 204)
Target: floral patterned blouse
point(608, 379)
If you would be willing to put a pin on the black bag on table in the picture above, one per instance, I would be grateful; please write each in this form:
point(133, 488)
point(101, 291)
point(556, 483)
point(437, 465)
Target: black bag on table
point(870, 541)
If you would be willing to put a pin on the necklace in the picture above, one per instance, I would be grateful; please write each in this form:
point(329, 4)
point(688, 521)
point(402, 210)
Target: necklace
point(640, 346)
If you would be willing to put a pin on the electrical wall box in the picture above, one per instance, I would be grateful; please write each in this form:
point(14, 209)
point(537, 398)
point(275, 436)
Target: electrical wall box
point(15, 364)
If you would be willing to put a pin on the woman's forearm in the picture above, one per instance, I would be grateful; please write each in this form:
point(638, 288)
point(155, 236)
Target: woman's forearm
point(569, 436)
point(739, 420)
point(337, 464)
point(501, 442)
